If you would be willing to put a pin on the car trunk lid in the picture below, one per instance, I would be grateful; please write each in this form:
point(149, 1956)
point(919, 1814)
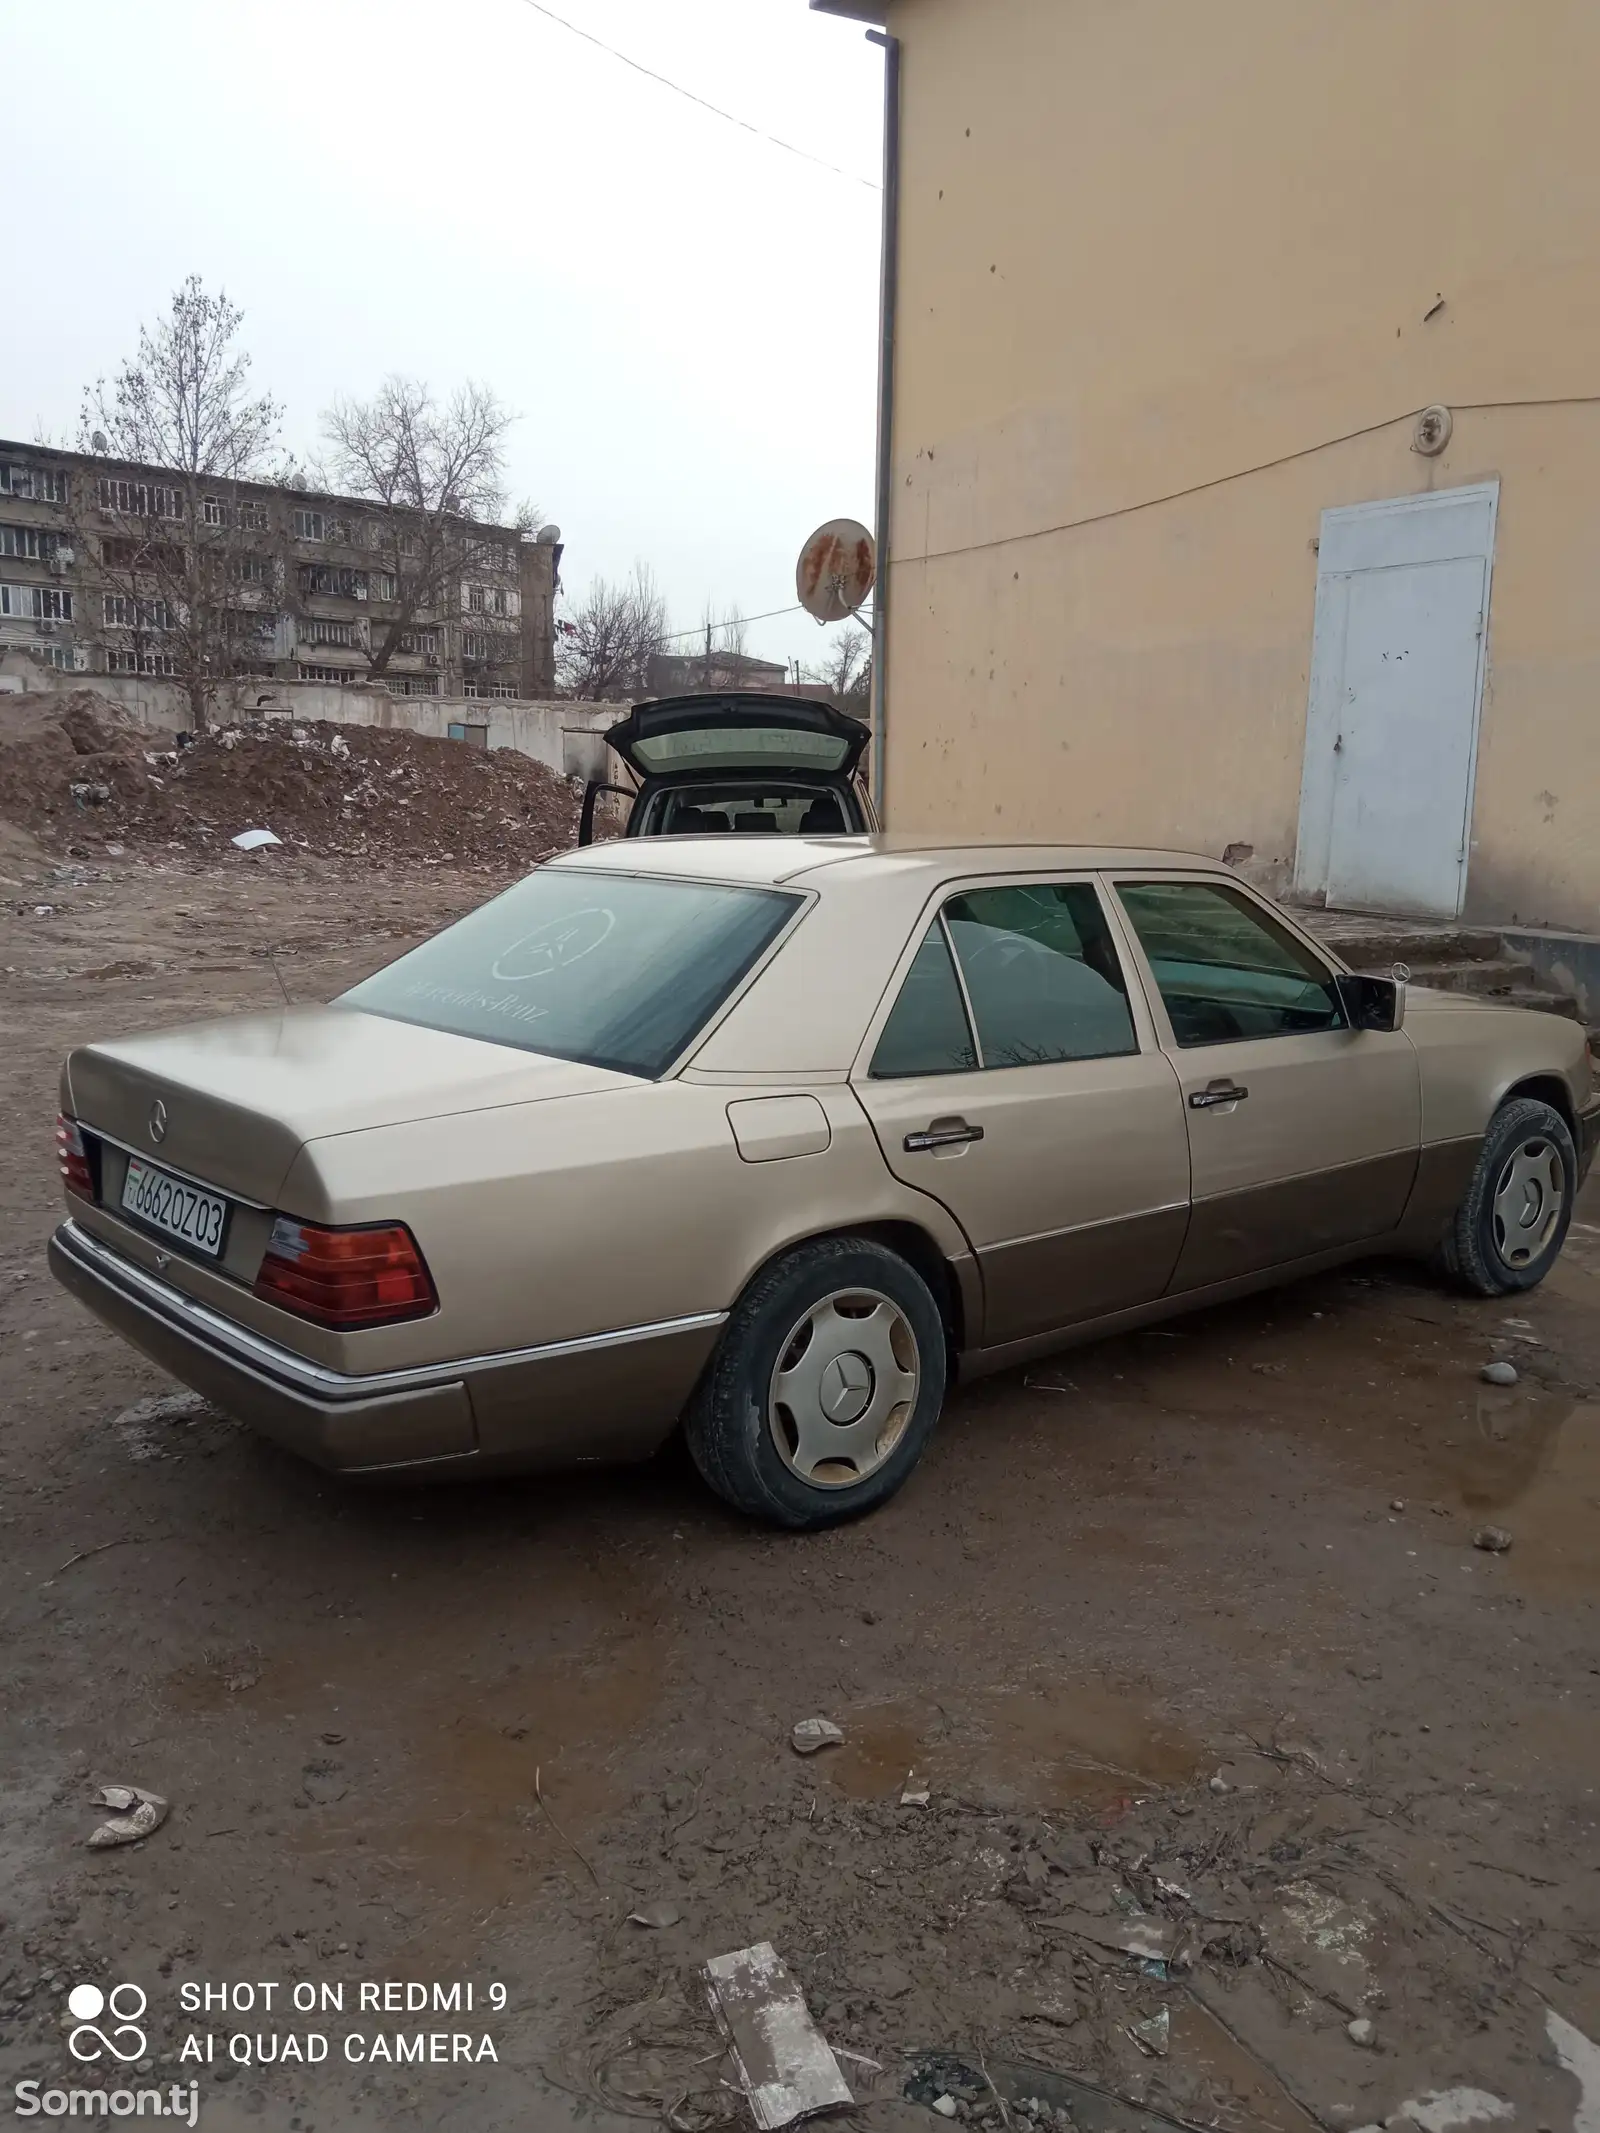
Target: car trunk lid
point(230, 1103)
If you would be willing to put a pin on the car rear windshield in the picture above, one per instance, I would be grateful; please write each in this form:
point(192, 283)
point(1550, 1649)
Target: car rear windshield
point(614, 970)
point(734, 747)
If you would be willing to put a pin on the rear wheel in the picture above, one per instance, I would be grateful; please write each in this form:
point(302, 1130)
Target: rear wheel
point(826, 1386)
point(1509, 1229)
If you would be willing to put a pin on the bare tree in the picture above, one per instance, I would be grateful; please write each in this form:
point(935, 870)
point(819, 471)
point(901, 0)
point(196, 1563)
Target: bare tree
point(439, 472)
point(171, 527)
point(846, 671)
point(604, 649)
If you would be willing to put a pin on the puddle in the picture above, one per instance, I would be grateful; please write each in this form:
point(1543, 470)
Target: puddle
point(1555, 1516)
point(1038, 1747)
point(431, 1770)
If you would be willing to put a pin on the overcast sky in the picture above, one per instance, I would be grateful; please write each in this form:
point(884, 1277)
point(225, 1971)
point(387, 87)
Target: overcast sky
point(683, 315)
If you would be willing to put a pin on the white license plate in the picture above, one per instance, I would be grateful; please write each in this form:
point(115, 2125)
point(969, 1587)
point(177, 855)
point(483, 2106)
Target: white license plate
point(167, 1203)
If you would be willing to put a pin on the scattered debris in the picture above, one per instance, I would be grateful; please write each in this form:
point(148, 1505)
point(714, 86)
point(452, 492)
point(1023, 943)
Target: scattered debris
point(1148, 1940)
point(135, 1814)
point(658, 1915)
point(814, 1733)
point(123, 1540)
point(1397, 1503)
point(945, 2105)
point(363, 792)
point(254, 840)
point(324, 1782)
point(782, 2059)
point(1499, 1373)
point(912, 1794)
point(1443, 2110)
point(1154, 2034)
point(1361, 2032)
point(544, 1809)
point(139, 1426)
point(1493, 1540)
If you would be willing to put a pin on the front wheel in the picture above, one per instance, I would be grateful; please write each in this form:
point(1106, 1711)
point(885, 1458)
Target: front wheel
point(1511, 1226)
point(825, 1388)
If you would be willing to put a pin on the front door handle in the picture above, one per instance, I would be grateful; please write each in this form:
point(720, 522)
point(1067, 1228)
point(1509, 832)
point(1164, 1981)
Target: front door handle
point(943, 1133)
point(1217, 1092)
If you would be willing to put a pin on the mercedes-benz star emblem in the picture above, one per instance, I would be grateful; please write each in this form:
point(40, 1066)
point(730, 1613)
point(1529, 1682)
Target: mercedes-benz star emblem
point(158, 1121)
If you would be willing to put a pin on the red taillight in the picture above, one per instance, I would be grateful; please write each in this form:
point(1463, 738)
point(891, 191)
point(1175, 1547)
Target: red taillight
point(73, 1158)
point(346, 1277)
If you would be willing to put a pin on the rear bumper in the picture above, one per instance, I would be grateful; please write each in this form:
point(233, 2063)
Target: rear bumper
point(609, 1397)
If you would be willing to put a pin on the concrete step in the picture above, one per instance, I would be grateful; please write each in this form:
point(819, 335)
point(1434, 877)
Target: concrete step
point(1487, 978)
point(1465, 959)
point(1552, 1003)
point(1363, 941)
point(1543, 1001)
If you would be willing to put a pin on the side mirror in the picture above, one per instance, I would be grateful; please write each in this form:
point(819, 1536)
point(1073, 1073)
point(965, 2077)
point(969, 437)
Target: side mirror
point(1371, 1003)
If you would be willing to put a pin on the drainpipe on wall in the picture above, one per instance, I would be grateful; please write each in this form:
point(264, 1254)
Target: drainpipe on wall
point(889, 290)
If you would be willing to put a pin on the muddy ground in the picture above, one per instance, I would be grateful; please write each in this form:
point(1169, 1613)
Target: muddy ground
point(1183, 1635)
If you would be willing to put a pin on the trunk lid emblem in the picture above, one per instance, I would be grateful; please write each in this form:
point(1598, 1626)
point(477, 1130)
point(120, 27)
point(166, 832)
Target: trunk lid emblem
point(158, 1121)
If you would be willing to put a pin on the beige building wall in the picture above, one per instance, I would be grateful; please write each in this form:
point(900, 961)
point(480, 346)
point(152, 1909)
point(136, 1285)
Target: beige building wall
point(1165, 277)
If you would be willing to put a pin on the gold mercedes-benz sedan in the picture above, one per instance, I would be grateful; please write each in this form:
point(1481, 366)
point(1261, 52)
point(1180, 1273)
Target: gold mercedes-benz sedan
point(772, 1138)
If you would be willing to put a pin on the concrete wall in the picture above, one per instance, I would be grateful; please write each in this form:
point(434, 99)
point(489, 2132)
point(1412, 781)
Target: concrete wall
point(1164, 271)
point(566, 736)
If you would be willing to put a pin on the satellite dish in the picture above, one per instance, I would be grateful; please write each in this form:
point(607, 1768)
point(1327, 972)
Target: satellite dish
point(548, 536)
point(836, 570)
point(98, 443)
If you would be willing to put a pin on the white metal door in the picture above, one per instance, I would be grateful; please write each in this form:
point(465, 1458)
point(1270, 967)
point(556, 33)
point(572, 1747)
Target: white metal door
point(1402, 781)
point(1397, 679)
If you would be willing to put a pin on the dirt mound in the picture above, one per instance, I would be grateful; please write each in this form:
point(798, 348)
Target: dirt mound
point(78, 773)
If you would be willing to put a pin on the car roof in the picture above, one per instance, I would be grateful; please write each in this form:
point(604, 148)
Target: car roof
point(806, 862)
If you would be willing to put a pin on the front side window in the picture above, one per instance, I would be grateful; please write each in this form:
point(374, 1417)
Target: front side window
point(609, 969)
point(1042, 974)
point(927, 1031)
point(1226, 970)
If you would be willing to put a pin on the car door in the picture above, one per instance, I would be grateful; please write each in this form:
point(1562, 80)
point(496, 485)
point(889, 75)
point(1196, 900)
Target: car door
point(1303, 1132)
point(1014, 1074)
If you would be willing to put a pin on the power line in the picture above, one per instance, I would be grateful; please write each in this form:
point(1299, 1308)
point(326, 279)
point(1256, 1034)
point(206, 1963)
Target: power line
point(716, 110)
point(673, 636)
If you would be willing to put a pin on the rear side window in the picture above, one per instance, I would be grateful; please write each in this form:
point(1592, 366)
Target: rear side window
point(608, 969)
point(1227, 971)
point(927, 1030)
point(1042, 974)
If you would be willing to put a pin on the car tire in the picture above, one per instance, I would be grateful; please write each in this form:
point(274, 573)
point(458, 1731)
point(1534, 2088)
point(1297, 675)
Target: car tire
point(845, 1324)
point(1509, 1229)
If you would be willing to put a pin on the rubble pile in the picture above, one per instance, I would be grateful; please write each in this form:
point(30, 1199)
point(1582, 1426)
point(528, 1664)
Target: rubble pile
point(82, 776)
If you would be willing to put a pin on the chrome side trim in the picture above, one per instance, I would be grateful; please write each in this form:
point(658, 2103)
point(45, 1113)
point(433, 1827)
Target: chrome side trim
point(255, 1352)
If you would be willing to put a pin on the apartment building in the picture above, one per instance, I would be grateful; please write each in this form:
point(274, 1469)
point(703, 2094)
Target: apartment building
point(304, 587)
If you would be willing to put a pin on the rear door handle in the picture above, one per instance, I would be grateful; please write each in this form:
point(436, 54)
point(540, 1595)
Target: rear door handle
point(1219, 1092)
point(943, 1133)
